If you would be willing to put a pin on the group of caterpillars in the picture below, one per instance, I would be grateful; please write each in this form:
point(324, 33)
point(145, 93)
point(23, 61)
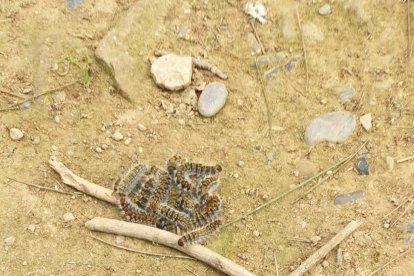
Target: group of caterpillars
point(179, 199)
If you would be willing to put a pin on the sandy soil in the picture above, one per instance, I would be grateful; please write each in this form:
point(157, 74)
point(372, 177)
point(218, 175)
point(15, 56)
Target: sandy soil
point(364, 46)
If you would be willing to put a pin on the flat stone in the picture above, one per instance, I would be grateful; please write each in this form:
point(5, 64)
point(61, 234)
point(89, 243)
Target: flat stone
point(212, 99)
point(172, 72)
point(325, 9)
point(141, 127)
point(366, 121)
point(289, 29)
point(311, 31)
point(16, 134)
point(68, 217)
point(348, 197)
point(254, 44)
point(122, 48)
point(331, 127)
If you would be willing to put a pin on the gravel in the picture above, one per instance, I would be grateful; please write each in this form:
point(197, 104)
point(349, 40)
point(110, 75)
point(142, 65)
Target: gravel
point(16, 134)
point(117, 136)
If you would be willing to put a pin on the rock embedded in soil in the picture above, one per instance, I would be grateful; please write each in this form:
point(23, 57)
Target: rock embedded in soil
point(312, 31)
point(68, 217)
point(348, 198)
point(306, 168)
point(346, 93)
point(362, 166)
point(172, 72)
point(10, 240)
point(334, 127)
point(325, 9)
point(16, 134)
point(212, 99)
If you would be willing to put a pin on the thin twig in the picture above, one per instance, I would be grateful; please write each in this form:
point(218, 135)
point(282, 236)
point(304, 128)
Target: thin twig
point(392, 260)
point(11, 94)
point(276, 266)
point(324, 179)
point(304, 50)
point(324, 250)
point(189, 270)
point(405, 159)
point(40, 187)
point(282, 195)
point(263, 90)
point(408, 30)
point(403, 213)
point(257, 37)
point(399, 206)
point(44, 93)
point(141, 252)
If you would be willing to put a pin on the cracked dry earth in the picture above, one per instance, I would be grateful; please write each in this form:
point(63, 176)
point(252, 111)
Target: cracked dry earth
point(361, 43)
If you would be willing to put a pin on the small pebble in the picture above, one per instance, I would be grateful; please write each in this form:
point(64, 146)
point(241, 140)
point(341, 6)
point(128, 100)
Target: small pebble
point(104, 146)
point(27, 90)
point(324, 101)
point(15, 134)
point(172, 72)
point(67, 217)
point(57, 119)
point(259, 147)
point(362, 166)
point(54, 148)
point(212, 99)
point(325, 264)
point(386, 225)
point(140, 150)
point(25, 105)
point(98, 150)
point(117, 136)
point(390, 163)
point(24, 263)
point(315, 239)
point(366, 121)
point(269, 156)
point(256, 233)
point(141, 127)
point(325, 9)
point(127, 141)
point(10, 240)
point(240, 163)
point(119, 239)
point(236, 175)
point(31, 227)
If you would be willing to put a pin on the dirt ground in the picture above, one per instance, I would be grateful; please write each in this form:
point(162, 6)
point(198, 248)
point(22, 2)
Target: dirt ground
point(364, 44)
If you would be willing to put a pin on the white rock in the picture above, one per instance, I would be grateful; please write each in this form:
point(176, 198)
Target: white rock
point(141, 127)
point(172, 72)
point(256, 233)
point(325, 9)
point(16, 134)
point(212, 99)
point(366, 121)
point(390, 163)
point(117, 136)
point(119, 239)
point(31, 227)
point(98, 150)
point(127, 141)
point(68, 217)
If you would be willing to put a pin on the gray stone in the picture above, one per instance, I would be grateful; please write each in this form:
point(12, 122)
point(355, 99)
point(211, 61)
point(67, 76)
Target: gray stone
point(172, 72)
point(212, 99)
point(16, 134)
point(348, 198)
point(254, 44)
point(346, 93)
point(325, 9)
point(311, 31)
point(331, 127)
point(123, 47)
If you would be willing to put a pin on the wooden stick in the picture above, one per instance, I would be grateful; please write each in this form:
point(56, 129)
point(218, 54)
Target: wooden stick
point(408, 31)
point(304, 50)
point(141, 252)
point(138, 230)
point(276, 266)
point(199, 63)
point(393, 259)
point(152, 234)
point(409, 158)
point(80, 184)
point(324, 250)
point(257, 37)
